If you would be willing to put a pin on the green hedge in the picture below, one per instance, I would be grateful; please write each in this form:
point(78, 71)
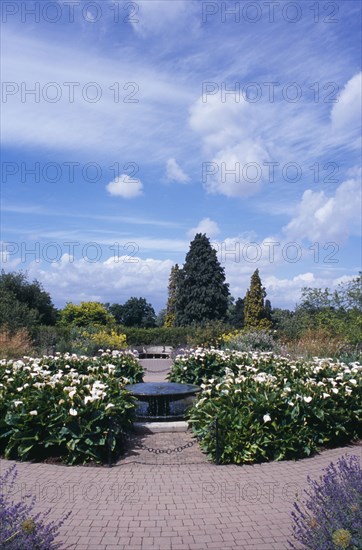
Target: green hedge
point(207, 335)
point(160, 336)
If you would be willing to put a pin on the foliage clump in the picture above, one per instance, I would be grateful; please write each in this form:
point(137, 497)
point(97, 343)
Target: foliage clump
point(331, 516)
point(20, 526)
point(64, 406)
point(271, 407)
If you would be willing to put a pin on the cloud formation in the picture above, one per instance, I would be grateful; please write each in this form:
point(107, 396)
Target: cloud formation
point(322, 217)
point(207, 226)
point(126, 187)
point(174, 172)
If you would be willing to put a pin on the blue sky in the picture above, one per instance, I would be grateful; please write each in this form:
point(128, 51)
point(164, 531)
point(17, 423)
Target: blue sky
point(133, 141)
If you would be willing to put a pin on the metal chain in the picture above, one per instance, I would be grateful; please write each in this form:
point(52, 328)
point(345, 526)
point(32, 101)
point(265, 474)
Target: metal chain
point(156, 371)
point(169, 451)
point(166, 451)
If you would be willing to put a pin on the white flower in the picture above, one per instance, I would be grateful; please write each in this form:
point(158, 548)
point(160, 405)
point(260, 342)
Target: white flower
point(17, 403)
point(307, 399)
point(352, 381)
point(73, 412)
point(88, 398)
point(109, 406)
point(33, 413)
point(334, 390)
point(61, 401)
point(72, 393)
point(325, 395)
point(348, 390)
point(266, 418)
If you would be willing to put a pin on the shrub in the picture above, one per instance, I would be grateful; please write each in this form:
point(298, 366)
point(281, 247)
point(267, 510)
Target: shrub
point(207, 335)
point(64, 406)
point(20, 527)
point(316, 342)
point(197, 366)
point(269, 407)
point(159, 336)
point(14, 344)
point(261, 340)
point(331, 517)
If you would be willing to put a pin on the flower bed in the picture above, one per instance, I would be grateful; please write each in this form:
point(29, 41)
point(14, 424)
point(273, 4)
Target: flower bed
point(63, 406)
point(269, 407)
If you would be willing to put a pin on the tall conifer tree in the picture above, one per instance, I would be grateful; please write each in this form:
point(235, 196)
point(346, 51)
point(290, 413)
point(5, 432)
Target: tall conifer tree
point(170, 319)
point(202, 293)
point(255, 313)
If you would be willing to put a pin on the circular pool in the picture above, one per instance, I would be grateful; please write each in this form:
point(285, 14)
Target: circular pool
point(162, 401)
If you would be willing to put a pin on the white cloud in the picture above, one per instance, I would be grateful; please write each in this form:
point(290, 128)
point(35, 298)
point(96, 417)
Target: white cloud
point(174, 172)
point(231, 138)
point(115, 279)
point(9, 258)
point(158, 17)
point(207, 226)
point(320, 217)
point(346, 114)
point(126, 187)
point(69, 125)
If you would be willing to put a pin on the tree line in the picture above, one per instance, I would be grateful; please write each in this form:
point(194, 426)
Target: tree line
point(197, 296)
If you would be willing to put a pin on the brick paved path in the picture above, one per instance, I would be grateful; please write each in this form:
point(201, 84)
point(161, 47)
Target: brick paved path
point(172, 506)
point(156, 369)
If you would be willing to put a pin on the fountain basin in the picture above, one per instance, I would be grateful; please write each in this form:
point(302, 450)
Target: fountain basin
point(162, 401)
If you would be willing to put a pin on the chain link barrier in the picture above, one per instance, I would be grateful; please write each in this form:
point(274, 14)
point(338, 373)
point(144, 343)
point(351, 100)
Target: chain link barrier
point(212, 427)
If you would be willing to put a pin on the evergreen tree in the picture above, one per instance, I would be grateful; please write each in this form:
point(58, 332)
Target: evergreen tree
point(170, 319)
point(236, 314)
point(255, 313)
point(202, 292)
point(268, 310)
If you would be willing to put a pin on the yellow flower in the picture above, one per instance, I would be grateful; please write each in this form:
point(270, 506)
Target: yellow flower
point(28, 525)
point(342, 538)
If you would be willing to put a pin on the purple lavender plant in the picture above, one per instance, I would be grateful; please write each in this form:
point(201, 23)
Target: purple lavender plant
point(19, 528)
point(331, 517)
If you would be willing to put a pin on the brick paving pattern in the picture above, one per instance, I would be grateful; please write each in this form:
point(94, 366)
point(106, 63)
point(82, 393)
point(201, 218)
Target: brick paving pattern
point(176, 501)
